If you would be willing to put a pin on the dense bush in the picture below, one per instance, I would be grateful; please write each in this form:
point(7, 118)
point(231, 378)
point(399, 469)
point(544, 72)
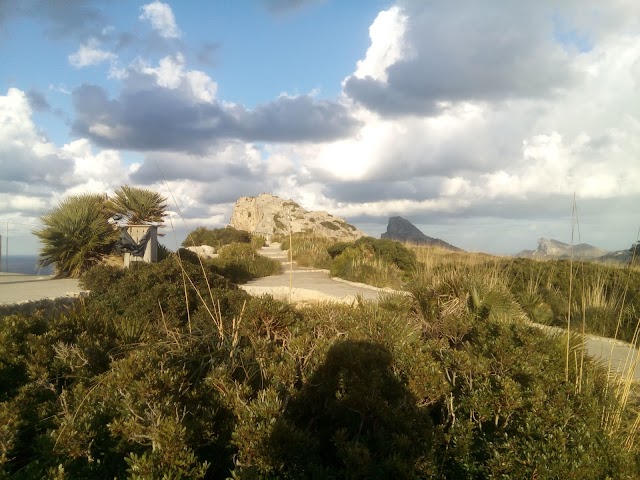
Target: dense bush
point(606, 298)
point(383, 263)
point(308, 250)
point(216, 237)
point(446, 383)
point(239, 262)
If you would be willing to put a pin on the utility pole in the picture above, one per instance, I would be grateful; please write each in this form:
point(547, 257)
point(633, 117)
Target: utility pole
point(290, 259)
point(6, 251)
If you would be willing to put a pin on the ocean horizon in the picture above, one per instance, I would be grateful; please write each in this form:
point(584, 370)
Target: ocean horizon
point(26, 264)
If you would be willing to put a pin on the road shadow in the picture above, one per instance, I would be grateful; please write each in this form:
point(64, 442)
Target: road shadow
point(354, 419)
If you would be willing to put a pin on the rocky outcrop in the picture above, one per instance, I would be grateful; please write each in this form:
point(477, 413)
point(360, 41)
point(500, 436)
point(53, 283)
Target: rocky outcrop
point(403, 230)
point(554, 249)
point(268, 215)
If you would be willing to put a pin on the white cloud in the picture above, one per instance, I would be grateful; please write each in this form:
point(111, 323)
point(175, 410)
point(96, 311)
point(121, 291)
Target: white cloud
point(171, 73)
point(36, 173)
point(161, 18)
point(387, 44)
point(90, 54)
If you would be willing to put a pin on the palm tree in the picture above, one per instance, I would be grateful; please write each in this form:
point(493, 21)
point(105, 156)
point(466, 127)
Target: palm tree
point(76, 235)
point(138, 204)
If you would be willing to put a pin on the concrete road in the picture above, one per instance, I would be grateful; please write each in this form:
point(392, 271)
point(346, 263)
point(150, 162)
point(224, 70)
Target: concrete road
point(18, 288)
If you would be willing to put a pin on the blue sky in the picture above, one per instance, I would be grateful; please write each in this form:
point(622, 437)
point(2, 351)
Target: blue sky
point(477, 121)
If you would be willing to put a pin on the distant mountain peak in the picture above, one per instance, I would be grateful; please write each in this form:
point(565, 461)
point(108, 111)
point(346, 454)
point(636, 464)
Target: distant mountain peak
point(549, 248)
point(403, 230)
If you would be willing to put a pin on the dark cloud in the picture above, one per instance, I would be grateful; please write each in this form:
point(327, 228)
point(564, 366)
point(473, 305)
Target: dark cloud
point(38, 101)
point(206, 54)
point(367, 191)
point(476, 51)
point(19, 164)
point(228, 163)
point(284, 6)
point(62, 18)
point(152, 118)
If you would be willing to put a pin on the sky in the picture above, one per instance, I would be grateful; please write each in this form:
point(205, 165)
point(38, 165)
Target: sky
point(478, 121)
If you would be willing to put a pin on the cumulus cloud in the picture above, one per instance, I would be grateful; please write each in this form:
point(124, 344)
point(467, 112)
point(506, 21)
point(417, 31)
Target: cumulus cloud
point(90, 53)
point(161, 18)
point(36, 172)
point(38, 101)
point(169, 107)
point(63, 18)
point(282, 6)
point(461, 52)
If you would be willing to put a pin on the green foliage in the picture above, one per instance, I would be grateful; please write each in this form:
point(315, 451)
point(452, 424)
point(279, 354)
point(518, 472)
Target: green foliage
point(337, 248)
point(138, 204)
point(240, 263)
point(258, 241)
point(216, 237)
point(383, 263)
point(139, 380)
point(330, 225)
point(76, 235)
point(605, 298)
point(163, 252)
point(168, 290)
point(308, 250)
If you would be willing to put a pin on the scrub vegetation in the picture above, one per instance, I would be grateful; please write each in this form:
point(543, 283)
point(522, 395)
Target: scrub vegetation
point(169, 370)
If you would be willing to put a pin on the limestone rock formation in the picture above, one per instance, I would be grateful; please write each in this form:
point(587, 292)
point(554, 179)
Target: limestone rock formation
point(403, 230)
point(268, 215)
point(554, 249)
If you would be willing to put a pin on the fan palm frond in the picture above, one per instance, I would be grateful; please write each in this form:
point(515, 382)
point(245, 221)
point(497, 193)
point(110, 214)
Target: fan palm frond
point(75, 234)
point(138, 204)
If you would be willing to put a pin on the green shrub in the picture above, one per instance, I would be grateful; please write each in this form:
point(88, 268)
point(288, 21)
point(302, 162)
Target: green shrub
point(330, 225)
point(216, 237)
point(337, 248)
point(258, 241)
point(360, 264)
point(601, 294)
point(308, 250)
point(239, 262)
point(446, 383)
point(383, 263)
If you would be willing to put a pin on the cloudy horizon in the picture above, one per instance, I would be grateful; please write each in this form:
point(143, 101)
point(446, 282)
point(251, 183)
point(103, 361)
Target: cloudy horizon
point(476, 121)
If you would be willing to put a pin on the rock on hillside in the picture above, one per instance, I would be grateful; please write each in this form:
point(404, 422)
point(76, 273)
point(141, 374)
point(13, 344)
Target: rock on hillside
point(267, 215)
point(403, 230)
point(554, 249)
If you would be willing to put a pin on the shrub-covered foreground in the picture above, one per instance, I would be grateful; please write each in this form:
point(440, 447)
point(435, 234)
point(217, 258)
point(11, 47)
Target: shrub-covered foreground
point(445, 384)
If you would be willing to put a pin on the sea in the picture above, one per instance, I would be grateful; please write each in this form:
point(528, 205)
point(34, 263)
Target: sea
point(27, 264)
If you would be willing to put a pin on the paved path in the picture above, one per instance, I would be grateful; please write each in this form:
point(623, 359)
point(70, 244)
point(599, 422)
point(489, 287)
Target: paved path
point(308, 284)
point(18, 288)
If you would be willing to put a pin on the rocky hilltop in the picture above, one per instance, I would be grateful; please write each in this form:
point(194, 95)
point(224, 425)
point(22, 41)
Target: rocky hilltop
point(403, 230)
point(554, 249)
point(267, 215)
